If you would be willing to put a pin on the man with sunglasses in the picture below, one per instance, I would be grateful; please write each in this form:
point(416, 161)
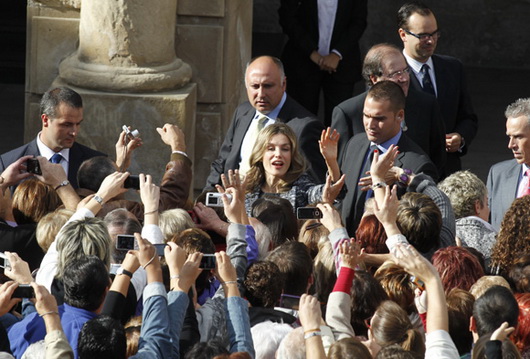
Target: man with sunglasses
point(438, 75)
point(423, 121)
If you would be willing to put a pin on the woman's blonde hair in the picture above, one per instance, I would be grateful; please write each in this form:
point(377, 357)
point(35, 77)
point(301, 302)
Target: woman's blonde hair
point(50, 225)
point(256, 175)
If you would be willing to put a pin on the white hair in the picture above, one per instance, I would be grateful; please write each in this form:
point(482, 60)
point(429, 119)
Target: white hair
point(293, 346)
point(267, 337)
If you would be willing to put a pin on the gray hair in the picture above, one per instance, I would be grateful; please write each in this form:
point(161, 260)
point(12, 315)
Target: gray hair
point(293, 346)
point(267, 337)
point(78, 239)
point(464, 189)
point(373, 61)
point(521, 107)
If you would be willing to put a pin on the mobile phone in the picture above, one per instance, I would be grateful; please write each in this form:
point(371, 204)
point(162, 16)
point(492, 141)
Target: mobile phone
point(125, 242)
point(33, 166)
point(24, 291)
point(208, 261)
point(308, 213)
point(215, 199)
point(131, 135)
point(133, 181)
point(160, 249)
point(4, 262)
point(289, 301)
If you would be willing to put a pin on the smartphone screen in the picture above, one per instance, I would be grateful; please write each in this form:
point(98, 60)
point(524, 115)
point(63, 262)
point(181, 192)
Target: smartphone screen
point(208, 261)
point(160, 249)
point(308, 213)
point(125, 242)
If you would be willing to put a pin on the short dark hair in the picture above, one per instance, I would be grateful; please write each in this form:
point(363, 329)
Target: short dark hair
point(85, 282)
point(295, 263)
point(52, 98)
point(102, 337)
point(410, 8)
point(496, 306)
point(263, 284)
point(390, 91)
point(278, 215)
point(206, 350)
point(93, 171)
point(460, 309)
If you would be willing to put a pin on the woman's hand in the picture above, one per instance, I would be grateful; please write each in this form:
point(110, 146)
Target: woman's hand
point(332, 190)
point(350, 252)
point(328, 143)
point(386, 210)
point(330, 217)
point(414, 263)
point(235, 208)
point(381, 164)
point(19, 270)
point(124, 150)
point(149, 193)
point(502, 332)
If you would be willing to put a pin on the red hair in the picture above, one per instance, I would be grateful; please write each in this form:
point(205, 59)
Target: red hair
point(458, 268)
point(372, 235)
point(521, 336)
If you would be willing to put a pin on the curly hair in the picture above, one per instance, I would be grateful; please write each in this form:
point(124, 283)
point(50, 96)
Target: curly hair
point(514, 235)
point(519, 274)
point(464, 189)
point(458, 268)
point(521, 336)
point(263, 284)
point(256, 175)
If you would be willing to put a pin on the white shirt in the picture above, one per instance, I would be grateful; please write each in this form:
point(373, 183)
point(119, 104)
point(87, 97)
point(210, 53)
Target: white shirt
point(416, 66)
point(327, 9)
point(47, 153)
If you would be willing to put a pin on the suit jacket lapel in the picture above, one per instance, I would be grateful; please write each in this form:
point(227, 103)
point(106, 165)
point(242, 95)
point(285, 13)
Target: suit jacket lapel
point(441, 74)
point(243, 126)
point(510, 184)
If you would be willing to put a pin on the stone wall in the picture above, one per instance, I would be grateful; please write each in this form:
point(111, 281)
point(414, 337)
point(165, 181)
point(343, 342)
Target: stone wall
point(484, 33)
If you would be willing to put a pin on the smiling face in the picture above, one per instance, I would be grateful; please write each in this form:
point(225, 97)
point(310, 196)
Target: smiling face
point(380, 121)
point(420, 50)
point(518, 130)
point(277, 157)
point(265, 84)
point(60, 132)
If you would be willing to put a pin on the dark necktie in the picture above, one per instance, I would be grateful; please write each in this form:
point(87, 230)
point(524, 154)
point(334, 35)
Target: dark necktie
point(426, 82)
point(56, 158)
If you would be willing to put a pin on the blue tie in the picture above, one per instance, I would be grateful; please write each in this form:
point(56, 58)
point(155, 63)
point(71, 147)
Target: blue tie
point(56, 158)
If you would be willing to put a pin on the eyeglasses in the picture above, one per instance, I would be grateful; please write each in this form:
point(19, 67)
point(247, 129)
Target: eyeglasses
point(423, 37)
point(398, 74)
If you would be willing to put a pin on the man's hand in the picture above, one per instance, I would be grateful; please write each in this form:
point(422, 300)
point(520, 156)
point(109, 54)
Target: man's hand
point(453, 141)
point(331, 191)
point(173, 136)
point(387, 209)
point(381, 164)
point(209, 220)
point(330, 62)
point(316, 58)
point(124, 150)
point(15, 172)
point(330, 217)
point(19, 270)
point(309, 312)
point(112, 185)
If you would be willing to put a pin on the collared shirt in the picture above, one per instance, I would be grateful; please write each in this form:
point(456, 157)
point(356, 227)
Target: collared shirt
point(47, 152)
point(522, 183)
point(327, 10)
point(416, 66)
point(272, 116)
point(383, 147)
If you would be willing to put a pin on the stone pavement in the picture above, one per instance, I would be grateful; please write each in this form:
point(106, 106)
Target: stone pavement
point(491, 91)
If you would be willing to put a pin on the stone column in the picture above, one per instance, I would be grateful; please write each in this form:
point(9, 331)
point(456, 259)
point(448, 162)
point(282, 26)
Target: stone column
point(126, 46)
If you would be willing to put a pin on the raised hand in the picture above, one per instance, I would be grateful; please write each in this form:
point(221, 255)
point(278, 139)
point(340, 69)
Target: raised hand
point(124, 149)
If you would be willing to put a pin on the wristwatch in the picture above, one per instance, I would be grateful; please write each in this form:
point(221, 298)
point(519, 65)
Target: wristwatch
point(62, 184)
point(121, 270)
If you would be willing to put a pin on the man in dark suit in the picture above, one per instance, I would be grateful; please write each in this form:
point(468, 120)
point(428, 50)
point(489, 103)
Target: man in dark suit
point(61, 114)
point(383, 114)
point(265, 82)
point(441, 76)
point(322, 52)
point(510, 179)
point(423, 122)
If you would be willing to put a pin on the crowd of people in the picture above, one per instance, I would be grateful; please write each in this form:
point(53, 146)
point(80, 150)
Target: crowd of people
point(363, 239)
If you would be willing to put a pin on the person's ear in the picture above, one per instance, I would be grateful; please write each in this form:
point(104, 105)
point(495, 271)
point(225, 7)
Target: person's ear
point(45, 120)
point(472, 325)
point(478, 206)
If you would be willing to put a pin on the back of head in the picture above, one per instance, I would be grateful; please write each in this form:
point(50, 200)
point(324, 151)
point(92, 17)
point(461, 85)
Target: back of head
point(464, 189)
point(391, 325)
point(267, 337)
point(102, 337)
point(458, 268)
point(32, 200)
point(519, 274)
point(263, 237)
point(174, 221)
point(348, 348)
point(460, 309)
point(206, 350)
point(52, 98)
point(88, 236)
point(366, 295)
point(132, 334)
point(484, 283)
point(293, 346)
point(521, 336)
point(278, 215)
point(513, 235)
point(373, 61)
point(409, 8)
point(294, 262)
point(372, 235)
point(388, 91)
point(263, 284)
point(496, 306)
point(420, 220)
point(397, 285)
point(85, 283)
point(395, 351)
point(313, 234)
point(93, 171)
point(50, 225)
point(508, 349)
point(324, 272)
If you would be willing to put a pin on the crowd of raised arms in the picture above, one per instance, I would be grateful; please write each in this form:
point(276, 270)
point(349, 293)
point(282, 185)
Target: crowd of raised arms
point(354, 237)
